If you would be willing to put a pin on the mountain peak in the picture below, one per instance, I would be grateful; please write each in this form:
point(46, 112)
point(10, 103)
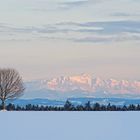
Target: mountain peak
point(85, 82)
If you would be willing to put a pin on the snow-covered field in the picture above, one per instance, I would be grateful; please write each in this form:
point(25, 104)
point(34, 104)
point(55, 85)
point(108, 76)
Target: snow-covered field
point(69, 125)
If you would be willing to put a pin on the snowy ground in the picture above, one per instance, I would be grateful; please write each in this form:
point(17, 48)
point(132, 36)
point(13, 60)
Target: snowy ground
point(69, 125)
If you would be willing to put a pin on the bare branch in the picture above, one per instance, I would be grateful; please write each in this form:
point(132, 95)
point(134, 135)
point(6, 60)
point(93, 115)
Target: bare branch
point(11, 85)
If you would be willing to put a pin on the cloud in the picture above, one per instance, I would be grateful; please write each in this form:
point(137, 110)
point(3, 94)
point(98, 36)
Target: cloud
point(122, 14)
point(77, 3)
point(115, 26)
point(72, 4)
point(57, 6)
point(95, 32)
point(109, 38)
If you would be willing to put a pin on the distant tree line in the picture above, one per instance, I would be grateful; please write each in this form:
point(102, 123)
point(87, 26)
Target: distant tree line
point(68, 106)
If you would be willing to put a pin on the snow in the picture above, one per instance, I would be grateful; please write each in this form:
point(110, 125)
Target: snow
point(84, 83)
point(69, 125)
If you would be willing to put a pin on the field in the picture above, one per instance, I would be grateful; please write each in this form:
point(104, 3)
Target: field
point(69, 125)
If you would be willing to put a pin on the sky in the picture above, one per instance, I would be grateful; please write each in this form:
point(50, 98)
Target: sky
point(49, 38)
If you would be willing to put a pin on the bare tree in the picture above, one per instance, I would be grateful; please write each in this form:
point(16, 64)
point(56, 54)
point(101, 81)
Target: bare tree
point(11, 85)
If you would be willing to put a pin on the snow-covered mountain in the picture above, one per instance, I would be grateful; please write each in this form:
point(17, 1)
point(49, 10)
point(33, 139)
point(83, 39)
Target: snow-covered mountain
point(80, 82)
point(82, 85)
point(86, 83)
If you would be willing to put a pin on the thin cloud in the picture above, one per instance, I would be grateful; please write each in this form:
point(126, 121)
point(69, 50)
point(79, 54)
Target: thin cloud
point(71, 4)
point(109, 38)
point(122, 14)
point(78, 32)
point(56, 6)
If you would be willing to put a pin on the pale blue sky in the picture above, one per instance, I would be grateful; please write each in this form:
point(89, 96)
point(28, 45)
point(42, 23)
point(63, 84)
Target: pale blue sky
point(46, 38)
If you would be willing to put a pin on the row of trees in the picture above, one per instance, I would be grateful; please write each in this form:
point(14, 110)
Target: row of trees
point(70, 107)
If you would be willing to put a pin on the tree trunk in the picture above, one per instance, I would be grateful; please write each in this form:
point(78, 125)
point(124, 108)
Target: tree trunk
point(3, 105)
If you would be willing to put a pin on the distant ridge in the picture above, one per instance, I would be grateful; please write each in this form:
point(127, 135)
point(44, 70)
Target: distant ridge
point(81, 86)
point(85, 82)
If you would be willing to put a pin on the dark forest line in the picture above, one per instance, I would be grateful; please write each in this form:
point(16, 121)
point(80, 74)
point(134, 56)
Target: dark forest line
point(70, 107)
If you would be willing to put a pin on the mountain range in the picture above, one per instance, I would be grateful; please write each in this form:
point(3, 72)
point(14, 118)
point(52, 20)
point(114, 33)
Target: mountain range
point(80, 86)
